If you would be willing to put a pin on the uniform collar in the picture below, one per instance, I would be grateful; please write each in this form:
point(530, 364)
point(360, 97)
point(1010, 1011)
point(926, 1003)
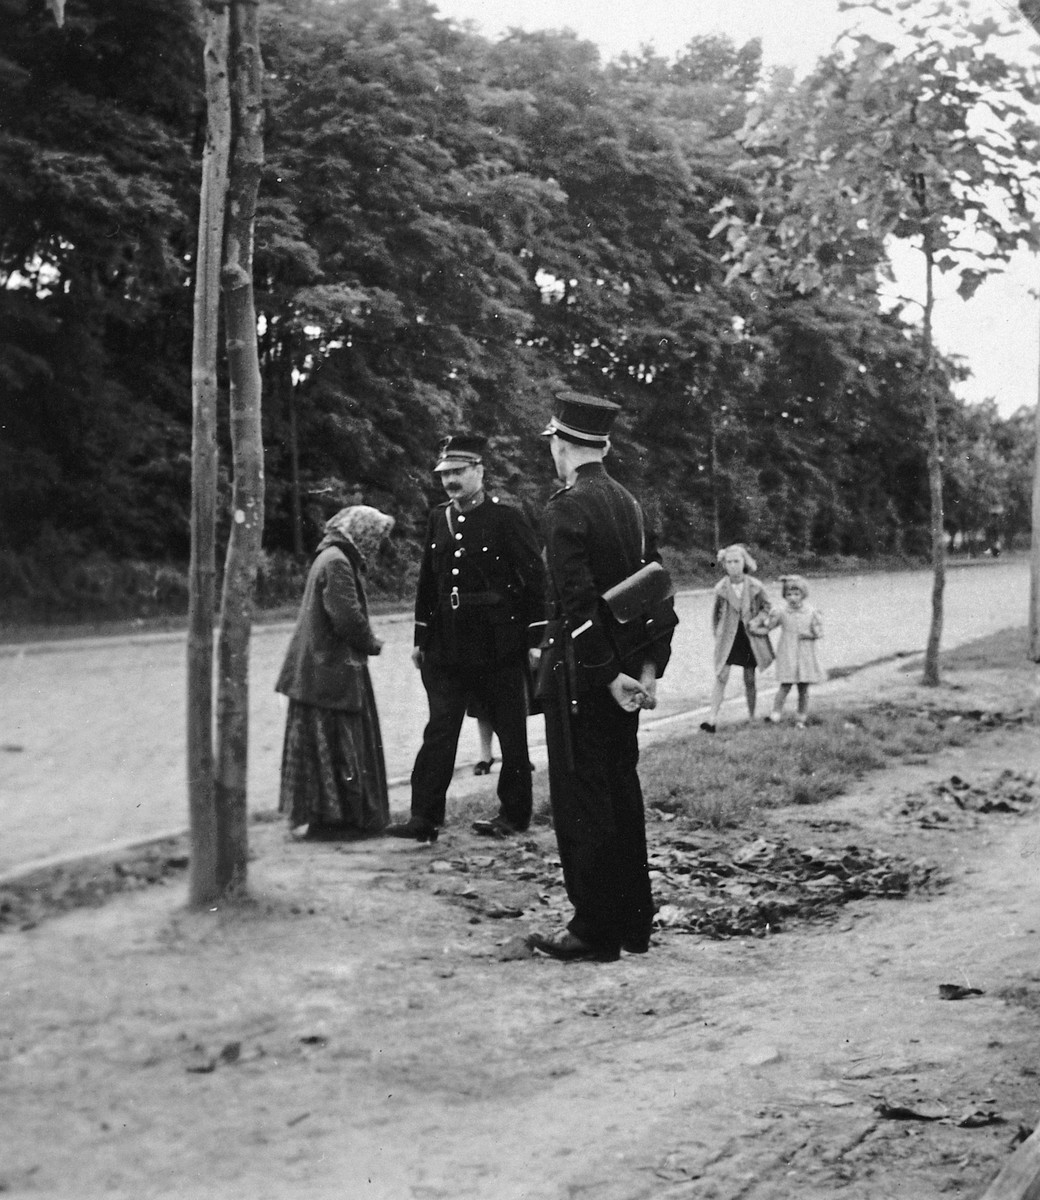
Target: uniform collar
point(590, 468)
point(477, 501)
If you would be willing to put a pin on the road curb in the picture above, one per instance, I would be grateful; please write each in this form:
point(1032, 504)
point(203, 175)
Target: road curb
point(463, 783)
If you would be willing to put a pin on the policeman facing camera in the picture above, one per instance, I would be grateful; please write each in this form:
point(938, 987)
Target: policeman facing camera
point(479, 608)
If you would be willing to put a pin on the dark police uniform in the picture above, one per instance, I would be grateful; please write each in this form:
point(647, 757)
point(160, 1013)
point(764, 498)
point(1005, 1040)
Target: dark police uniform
point(594, 538)
point(479, 606)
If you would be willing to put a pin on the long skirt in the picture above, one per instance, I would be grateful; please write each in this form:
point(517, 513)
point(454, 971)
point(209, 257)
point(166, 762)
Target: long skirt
point(333, 770)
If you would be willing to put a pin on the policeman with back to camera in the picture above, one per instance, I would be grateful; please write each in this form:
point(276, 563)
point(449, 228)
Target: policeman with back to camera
point(598, 670)
point(479, 607)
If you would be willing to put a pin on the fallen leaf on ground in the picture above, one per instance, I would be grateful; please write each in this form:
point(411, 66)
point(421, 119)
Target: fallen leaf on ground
point(907, 1112)
point(976, 1118)
point(957, 991)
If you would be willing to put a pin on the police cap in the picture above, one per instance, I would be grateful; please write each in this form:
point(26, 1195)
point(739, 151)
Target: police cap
point(582, 419)
point(461, 450)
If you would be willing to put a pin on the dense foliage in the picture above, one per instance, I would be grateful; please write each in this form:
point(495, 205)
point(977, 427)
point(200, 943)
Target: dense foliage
point(449, 228)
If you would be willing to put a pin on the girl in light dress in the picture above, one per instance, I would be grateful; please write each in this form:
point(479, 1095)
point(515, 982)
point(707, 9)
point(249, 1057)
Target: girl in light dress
point(797, 663)
point(740, 604)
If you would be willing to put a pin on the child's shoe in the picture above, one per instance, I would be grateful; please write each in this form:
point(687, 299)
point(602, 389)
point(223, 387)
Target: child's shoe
point(774, 716)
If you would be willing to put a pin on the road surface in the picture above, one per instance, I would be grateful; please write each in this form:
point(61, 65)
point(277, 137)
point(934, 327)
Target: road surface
point(92, 732)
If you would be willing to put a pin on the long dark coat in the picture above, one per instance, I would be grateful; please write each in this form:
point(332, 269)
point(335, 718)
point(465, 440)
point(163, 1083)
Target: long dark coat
point(329, 650)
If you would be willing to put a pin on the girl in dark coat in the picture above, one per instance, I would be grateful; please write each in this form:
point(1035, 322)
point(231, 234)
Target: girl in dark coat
point(333, 770)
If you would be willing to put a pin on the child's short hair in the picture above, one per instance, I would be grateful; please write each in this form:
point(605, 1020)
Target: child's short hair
point(794, 581)
point(750, 566)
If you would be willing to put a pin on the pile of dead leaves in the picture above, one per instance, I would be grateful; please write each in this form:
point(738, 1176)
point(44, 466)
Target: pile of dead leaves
point(702, 885)
point(766, 884)
point(956, 802)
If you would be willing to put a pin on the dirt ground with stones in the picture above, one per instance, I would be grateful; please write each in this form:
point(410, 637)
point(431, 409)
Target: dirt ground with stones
point(372, 1025)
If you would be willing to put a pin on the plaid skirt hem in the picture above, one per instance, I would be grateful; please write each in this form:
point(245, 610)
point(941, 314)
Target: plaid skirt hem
point(333, 769)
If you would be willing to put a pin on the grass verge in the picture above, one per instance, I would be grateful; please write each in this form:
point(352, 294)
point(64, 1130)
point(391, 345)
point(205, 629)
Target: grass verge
point(719, 782)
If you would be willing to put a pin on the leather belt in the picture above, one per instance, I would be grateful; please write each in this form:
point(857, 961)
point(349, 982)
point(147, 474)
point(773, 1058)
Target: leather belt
point(457, 599)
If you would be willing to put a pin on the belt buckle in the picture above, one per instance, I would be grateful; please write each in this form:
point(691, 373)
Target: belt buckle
point(454, 600)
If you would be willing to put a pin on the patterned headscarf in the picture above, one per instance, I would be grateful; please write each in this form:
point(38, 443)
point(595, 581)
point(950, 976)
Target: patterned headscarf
point(363, 526)
point(750, 566)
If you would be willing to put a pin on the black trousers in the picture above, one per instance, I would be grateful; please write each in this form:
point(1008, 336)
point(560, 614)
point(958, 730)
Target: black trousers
point(502, 693)
point(600, 825)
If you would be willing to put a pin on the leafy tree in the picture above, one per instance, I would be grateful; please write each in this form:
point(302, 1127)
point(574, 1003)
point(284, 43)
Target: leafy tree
point(447, 228)
point(927, 138)
point(96, 192)
point(389, 246)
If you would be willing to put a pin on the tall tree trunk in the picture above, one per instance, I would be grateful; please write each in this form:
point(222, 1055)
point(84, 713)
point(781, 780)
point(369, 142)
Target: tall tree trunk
point(203, 886)
point(1030, 9)
point(935, 489)
point(1034, 560)
point(294, 444)
point(713, 483)
point(243, 549)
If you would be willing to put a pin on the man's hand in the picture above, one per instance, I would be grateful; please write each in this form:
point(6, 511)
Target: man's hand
point(627, 692)
point(534, 657)
point(377, 645)
point(648, 682)
point(417, 657)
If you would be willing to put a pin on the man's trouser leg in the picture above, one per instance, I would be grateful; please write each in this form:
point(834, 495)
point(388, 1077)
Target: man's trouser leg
point(504, 693)
point(435, 762)
point(597, 808)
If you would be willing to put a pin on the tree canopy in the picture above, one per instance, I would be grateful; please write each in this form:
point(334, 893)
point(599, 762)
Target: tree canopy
point(449, 228)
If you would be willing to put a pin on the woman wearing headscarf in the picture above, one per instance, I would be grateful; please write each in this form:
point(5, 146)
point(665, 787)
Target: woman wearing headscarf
point(333, 770)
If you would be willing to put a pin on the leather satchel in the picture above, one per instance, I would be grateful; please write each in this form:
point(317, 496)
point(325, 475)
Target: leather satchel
point(642, 612)
point(639, 594)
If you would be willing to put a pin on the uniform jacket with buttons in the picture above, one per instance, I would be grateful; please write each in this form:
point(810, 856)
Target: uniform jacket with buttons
point(594, 538)
point(480, 600)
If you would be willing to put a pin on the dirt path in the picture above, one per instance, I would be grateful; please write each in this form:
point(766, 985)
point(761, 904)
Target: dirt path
point(363, 1031)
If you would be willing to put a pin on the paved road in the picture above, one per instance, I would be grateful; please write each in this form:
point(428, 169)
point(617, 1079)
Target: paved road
point(92, 733)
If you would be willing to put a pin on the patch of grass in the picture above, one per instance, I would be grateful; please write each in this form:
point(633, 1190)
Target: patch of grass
point(720, 781)
point(1008, 650)
point(905, 733)
point(1005, 650)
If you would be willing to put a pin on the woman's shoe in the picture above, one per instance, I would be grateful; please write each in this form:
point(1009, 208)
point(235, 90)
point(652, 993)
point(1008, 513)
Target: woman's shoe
point(483, 767)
